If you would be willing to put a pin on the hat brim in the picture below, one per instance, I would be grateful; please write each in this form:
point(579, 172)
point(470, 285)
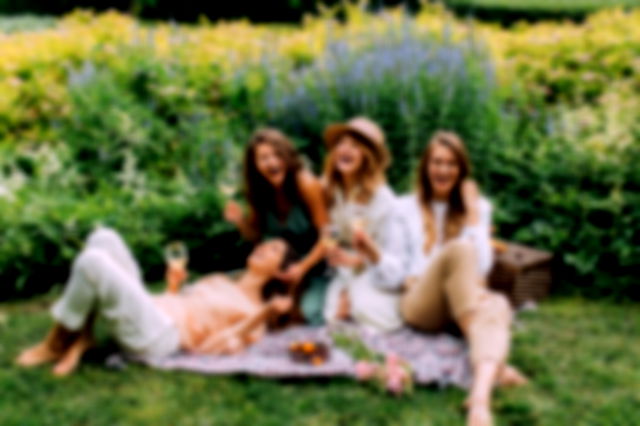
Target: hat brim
point(333, 132)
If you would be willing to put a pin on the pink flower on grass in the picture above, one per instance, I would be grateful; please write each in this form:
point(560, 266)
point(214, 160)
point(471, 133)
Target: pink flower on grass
point(395, 385)
point(365, 370)
point(392, 360)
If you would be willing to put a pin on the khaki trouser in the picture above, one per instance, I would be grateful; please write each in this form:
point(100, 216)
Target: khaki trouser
point(450, 289)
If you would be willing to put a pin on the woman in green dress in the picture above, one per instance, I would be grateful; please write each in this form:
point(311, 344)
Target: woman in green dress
point(286, 201)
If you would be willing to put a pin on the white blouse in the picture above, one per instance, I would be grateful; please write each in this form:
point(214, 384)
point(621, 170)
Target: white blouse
point(383, 223)
point(373, 291)
point(418, 261)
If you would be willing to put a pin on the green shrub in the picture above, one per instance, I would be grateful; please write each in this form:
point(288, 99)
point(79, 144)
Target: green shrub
point(42, 232)
point(411, 84)
point(554, 188)
point(137, 140)
point(510, 11)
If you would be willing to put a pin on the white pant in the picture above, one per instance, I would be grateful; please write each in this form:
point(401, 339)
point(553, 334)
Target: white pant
point(371, 306)
point(106, 279)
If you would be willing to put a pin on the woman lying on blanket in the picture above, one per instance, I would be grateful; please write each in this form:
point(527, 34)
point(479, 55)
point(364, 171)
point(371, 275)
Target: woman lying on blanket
point(449, 254)
point(285, 201)
point(212, 316)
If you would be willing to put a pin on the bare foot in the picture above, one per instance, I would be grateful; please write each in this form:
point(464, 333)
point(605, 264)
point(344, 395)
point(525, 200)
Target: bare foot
point(510, 376)
point(71, 358)
point(37, 355)
point(479, 414)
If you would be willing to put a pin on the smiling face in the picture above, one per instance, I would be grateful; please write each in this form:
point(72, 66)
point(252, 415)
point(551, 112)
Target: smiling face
point(443, 171)
point(267, 258)
point(348, 155)
point(270, 164)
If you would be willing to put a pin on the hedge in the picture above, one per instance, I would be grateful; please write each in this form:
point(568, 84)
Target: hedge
point(104, 119)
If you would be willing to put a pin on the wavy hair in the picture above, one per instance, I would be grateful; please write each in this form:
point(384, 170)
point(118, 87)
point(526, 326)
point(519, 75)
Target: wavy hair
point(456, 210)
point(370, 175)
point(260, 193)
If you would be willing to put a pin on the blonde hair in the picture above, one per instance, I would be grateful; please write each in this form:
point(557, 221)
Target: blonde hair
point(369, 176)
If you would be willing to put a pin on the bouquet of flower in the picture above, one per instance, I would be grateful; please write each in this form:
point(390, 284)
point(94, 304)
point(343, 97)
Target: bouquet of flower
point(387, 372)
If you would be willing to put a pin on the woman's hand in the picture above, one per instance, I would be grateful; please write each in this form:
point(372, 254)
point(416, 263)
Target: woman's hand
point(341, 257)
point(293, 274)
point(366, 245)
point(175, 277)
point(226, 342)
point(281, 304)
point(409, 282)
point(470, 196)
point(233, 213)
point(344, 306)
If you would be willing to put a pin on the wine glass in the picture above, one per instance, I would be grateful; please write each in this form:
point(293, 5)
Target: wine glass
point(358, 220)
point(330, 237)
point(176, 256)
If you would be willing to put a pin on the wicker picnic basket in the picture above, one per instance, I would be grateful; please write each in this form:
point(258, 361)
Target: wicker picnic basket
point(522, 273)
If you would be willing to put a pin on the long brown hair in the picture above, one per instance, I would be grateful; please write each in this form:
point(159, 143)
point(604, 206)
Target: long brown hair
point(456, 209)
point(370, 175)
point(260, 193)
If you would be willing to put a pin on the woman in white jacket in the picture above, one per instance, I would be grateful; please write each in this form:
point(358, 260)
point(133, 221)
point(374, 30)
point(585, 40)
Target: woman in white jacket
point(363, 215)
point(449, 255)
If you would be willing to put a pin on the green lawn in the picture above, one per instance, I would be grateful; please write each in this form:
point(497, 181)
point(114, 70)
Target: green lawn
point(583, 358)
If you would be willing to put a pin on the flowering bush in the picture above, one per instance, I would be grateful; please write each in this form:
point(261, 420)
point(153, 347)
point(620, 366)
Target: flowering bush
point(101, 107)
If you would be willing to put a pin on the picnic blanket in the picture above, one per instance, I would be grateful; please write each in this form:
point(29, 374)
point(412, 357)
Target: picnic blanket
point(436, 359)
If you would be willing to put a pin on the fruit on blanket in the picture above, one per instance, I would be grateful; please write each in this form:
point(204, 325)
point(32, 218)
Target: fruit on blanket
point(308, 352)
point(308, 347)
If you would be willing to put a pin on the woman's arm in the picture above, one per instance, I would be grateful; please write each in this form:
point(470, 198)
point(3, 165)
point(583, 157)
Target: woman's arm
point(246, 224)
point(477, 227)
point(480, 235)
point(385, 256)
point(313, 196)
point(235, 338)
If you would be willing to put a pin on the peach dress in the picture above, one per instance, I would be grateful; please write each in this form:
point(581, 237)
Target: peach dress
point(210, 306)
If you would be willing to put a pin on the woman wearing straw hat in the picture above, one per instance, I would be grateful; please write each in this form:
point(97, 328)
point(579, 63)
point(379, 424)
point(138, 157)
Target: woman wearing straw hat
point(364, 239)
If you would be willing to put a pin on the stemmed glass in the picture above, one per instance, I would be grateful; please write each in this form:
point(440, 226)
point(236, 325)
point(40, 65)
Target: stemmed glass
point(358, 220)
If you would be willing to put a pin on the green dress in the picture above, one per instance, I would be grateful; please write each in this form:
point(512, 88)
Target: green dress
point(300, 232)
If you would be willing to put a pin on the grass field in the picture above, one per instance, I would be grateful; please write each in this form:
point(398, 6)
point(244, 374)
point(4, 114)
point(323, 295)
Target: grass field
point(582, 358)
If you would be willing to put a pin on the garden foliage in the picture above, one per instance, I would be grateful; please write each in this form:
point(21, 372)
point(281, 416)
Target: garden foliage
point(105, 120)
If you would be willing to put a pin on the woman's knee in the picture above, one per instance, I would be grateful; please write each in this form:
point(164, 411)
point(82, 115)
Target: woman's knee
point(501, 306)
point(495, 308)
point(90, 259)
point(459, 249)
point(103, 237)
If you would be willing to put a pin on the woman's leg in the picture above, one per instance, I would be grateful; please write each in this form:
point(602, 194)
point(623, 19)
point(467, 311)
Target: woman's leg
point(106, 280)
point(99, 282)
point(74, 352)
point(112, 243)
point(485, 319)
point(452, 288)
point(487, 328)
point(52, 348)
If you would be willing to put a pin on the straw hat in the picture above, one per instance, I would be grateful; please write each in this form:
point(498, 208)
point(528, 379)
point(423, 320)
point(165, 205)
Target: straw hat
point(367, 130)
